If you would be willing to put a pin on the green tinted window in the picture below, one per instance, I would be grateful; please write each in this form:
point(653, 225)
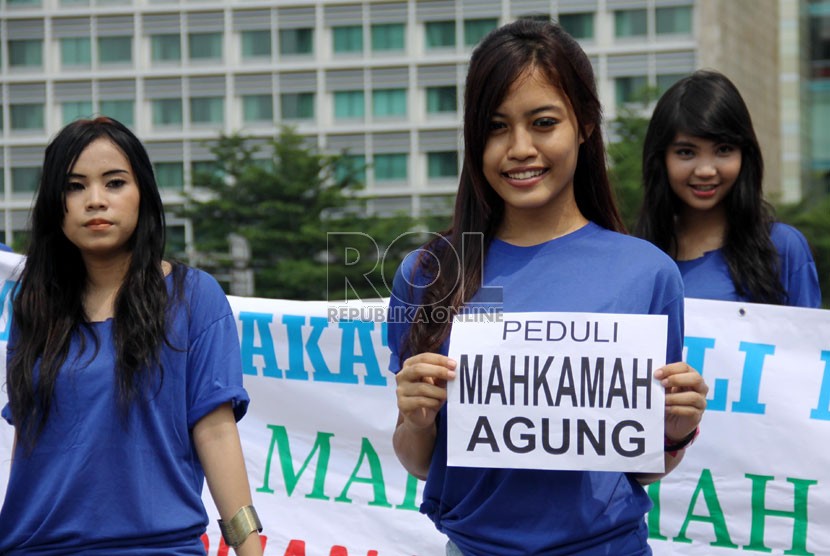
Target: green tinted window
point(440, 34)
point(388, 36)
point(442, 164)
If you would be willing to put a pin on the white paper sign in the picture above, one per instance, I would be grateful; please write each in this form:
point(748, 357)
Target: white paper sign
point(568, 391)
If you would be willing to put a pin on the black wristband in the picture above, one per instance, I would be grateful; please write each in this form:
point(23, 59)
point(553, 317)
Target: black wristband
point(680, 444)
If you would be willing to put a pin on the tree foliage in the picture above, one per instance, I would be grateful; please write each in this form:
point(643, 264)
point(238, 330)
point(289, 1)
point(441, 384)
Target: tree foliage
point(812, 218)
point(625, 154)
point(307, 230)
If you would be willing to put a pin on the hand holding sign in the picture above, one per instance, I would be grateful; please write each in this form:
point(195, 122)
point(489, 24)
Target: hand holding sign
point(422, 387)
point(685, 398)
point(421, 392)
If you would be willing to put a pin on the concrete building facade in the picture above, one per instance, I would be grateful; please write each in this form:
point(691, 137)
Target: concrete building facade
point(383, 79)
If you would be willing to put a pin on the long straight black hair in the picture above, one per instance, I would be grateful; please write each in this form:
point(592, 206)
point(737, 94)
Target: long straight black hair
point(496, 63)
point(48, 306)
point(707, 104)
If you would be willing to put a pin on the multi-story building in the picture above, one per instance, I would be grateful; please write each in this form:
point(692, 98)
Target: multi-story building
point(817, 167)
point(382, 79)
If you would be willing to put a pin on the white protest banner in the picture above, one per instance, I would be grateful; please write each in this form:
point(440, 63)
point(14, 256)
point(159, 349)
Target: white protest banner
point(569, 391)
point(317, 437)
point(757, 479)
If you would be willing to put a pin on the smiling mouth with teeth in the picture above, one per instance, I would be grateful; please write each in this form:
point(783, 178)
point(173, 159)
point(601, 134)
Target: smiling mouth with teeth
point(704, 187)
point(525, 175)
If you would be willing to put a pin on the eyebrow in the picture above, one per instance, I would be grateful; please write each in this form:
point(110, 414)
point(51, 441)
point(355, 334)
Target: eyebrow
point(546, 108)
point(683, 144)
point(107, 173)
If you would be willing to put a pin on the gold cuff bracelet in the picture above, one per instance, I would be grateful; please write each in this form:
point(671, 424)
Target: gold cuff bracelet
point(237, 529)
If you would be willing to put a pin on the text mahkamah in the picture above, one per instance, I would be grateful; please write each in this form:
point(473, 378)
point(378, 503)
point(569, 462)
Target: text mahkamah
point(555, 381)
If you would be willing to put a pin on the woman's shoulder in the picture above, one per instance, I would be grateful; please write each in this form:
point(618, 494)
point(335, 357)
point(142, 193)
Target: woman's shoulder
point(788, 240)
point(413, 266)
point(785, 234)
point(636, 249)
point(198, 288)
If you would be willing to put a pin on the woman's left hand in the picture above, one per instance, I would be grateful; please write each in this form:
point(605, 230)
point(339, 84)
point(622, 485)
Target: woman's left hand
point(685, 399)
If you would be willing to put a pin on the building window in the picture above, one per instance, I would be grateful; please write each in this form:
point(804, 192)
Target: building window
point(296, 42)
point(115, 50)
point(579, 26)
point(166, 48)
point(390, 167)
point(256, 44)
point(820, 133)
point(26, 53)
point(25, 179)
point(442, 164)
point(440, 34)
point(121, 110)
point(441, 99)
point(667, 80)
point(348, 104)
point(27, 116)
point(205, 46)
point(388, 36)
point(207, 110)
point(73, 110)
point(818, 37)
point(351, 166)
point(167, 111)
point(257, 108)
point(477, 29)
point(348, 38)
point(175, 244)
point(298, 106)
point(674, 21)
point(630, 89)
point(169, 175)
point(388, 103)
point(23, 2)
point(630, 23)
point(76, 51)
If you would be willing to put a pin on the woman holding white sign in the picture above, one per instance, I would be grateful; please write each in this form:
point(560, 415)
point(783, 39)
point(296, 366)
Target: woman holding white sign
point(704, 205)
point(123, 370)
point(535, 229)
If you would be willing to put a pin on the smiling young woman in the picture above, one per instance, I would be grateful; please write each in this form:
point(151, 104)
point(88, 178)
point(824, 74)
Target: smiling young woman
point(535, 198)
point(703, 200)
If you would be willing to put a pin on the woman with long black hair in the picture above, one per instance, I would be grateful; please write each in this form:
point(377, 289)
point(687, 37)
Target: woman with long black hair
point(123, 370)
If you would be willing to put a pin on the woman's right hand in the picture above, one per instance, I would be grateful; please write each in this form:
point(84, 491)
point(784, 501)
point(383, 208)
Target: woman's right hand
point(422, 388)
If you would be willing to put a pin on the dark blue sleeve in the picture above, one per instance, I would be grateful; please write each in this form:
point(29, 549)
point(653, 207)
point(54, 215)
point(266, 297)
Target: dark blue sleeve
point(7, 410)
point(214, 362)
point(407, 291)
point(798, 269)
point(668, 300)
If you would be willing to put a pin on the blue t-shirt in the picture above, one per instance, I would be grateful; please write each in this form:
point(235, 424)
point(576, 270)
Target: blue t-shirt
point(513, 512)
point(97, 483)
point(708, 277)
